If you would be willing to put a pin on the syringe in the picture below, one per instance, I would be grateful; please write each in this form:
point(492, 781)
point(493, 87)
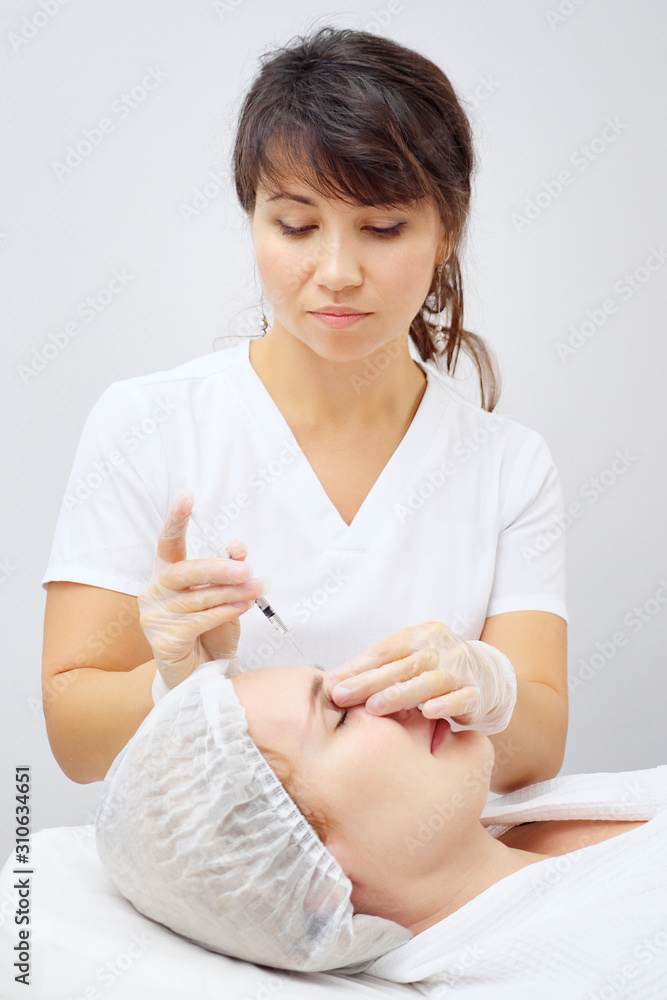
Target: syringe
point(263, 605)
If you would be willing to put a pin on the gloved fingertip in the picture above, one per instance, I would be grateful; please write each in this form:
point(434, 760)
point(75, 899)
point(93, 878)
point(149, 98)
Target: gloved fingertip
point(184, 495)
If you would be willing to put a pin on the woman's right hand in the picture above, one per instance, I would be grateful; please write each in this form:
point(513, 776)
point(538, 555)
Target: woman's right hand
point(190, 610)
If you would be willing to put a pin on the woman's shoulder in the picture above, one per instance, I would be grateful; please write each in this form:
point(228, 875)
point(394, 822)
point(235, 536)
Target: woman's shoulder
point(461, 410)
point(201, 367)
point(169, 389)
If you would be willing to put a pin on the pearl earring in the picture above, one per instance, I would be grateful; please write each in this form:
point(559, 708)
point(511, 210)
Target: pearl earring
point(440, 335)
point(265, 322)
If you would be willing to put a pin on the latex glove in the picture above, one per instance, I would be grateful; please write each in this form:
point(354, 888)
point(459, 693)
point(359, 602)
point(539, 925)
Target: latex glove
point(190, 609)
point(466, 681)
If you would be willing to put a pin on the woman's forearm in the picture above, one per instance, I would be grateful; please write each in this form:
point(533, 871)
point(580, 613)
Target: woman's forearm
point(532, 747)
point(91, 714)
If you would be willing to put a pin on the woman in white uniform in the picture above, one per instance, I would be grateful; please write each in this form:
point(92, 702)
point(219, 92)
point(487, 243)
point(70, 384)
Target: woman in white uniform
point(365, 490)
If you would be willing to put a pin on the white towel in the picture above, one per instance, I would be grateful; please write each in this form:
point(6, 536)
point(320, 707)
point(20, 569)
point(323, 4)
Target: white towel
point(588, 925)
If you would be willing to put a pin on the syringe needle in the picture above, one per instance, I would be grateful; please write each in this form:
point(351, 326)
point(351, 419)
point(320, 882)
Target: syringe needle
point(261, 602)
point(295, 645)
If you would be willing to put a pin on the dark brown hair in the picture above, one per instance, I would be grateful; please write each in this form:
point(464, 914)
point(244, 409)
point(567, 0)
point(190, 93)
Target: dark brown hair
point(362, 118)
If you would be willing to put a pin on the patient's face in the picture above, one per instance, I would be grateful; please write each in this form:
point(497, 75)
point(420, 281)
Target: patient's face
point(397, 805)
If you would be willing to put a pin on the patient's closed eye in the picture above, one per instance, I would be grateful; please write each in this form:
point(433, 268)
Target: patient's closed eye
point(343, 717)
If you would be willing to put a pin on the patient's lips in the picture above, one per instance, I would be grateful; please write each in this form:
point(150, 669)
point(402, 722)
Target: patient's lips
point(441, 729)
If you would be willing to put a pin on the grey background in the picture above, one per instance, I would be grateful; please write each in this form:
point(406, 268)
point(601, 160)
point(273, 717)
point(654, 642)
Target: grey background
point(538, 86)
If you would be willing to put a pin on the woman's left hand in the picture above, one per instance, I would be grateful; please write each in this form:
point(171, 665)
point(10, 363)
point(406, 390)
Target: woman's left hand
point(467, 681)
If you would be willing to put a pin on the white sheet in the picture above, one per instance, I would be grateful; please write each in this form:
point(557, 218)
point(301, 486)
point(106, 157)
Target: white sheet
point(589, 925)
point(545, 932)
point(84, 936)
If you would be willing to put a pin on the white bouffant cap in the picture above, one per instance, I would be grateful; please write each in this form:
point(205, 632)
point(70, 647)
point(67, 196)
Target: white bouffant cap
point(197, 832)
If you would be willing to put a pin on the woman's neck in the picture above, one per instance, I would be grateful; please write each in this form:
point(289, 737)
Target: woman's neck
point(347, 395)
point(459, 879)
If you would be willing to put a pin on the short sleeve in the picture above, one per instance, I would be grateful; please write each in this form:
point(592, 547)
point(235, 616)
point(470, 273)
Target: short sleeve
point(530, 556)
point(114, 503)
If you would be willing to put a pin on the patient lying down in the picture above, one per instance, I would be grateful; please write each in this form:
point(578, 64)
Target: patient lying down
point(368, 784)
point(259, 819)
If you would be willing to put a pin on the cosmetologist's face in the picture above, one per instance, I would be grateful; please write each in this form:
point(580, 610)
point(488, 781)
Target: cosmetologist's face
point(340, 256)
point(374, 776)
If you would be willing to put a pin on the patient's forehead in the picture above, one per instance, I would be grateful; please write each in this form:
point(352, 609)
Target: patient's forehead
point(251, 680)
point(275, 701)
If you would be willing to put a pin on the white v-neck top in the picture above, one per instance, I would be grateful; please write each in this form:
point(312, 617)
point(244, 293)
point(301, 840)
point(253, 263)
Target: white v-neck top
point(461, 524)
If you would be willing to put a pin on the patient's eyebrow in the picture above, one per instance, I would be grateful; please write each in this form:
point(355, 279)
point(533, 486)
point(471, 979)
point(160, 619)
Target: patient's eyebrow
point(315, 693)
